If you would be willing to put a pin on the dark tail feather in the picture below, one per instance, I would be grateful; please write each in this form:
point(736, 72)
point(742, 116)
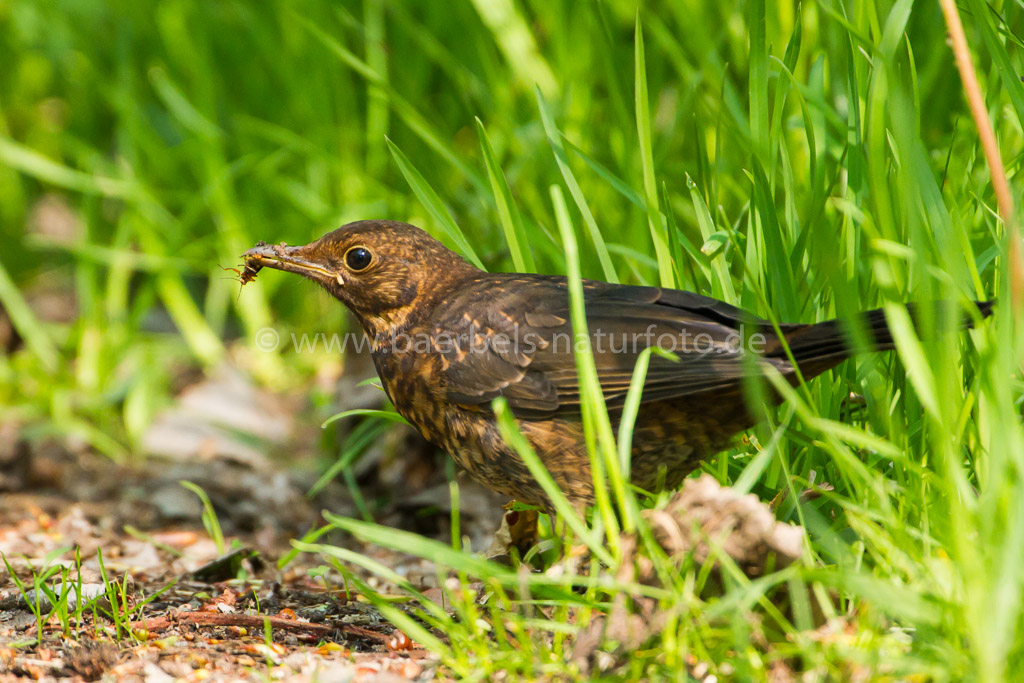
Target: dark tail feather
point(828, 340)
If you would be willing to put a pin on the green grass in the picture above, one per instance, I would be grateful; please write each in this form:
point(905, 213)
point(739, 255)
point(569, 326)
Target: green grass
point(57, 594)
point(802, 162)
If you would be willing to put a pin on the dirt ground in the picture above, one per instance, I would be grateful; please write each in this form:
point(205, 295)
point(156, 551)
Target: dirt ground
point(59, 503)
point(204, 623)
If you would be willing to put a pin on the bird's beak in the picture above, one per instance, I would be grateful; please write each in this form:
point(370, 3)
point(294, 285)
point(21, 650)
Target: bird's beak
point(290, 259)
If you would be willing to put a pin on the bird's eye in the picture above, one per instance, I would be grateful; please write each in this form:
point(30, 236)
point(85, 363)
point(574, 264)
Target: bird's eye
point(358, 258)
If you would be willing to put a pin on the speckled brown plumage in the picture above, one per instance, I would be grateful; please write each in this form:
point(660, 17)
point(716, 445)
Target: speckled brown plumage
point(448, 338)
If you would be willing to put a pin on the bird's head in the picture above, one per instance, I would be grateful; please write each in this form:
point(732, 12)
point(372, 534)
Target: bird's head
point(381, 270)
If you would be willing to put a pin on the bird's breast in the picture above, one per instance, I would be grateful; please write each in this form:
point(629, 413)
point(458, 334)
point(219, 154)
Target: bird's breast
point(413, 384)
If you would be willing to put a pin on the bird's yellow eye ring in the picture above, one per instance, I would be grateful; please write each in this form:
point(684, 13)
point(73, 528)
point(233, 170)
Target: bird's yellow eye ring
point(358, 258)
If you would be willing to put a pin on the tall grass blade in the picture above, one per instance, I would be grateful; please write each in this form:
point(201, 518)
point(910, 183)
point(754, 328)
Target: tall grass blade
point(555, 140)
point(421, 188)
point(643, 126)
point(508, 213)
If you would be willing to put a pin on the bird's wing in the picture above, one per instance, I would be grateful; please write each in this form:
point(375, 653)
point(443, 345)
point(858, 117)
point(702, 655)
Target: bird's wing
point(522, 347)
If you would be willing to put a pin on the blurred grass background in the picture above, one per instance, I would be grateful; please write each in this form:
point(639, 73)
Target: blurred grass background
point(176, 134)
point(803, 160)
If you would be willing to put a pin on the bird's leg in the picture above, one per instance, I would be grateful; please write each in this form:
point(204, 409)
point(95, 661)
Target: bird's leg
point(516, 535)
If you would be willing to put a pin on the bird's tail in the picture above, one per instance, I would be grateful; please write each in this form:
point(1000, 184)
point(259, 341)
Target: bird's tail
point(830, 340)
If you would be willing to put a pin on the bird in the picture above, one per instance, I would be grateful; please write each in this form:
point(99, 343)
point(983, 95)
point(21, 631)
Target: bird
point(447, 339)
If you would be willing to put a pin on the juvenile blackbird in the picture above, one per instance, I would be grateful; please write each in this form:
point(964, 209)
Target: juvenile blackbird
point(447, 338)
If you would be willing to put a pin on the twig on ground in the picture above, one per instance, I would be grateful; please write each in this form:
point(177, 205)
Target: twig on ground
point(255, 622)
